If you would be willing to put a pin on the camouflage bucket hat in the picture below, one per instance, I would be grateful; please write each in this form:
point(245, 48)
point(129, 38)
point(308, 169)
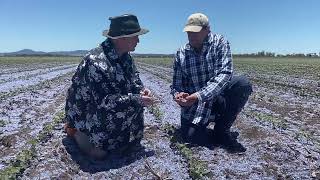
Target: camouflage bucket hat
point(126, 25)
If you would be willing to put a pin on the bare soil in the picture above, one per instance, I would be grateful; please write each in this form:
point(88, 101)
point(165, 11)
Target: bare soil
point(279, 128)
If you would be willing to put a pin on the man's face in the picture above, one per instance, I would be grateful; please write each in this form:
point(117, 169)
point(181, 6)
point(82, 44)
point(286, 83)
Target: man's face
point(196, 38)
point(131, 42)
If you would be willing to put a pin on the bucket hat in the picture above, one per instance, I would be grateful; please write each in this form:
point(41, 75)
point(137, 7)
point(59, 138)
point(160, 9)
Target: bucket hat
point(126, 25)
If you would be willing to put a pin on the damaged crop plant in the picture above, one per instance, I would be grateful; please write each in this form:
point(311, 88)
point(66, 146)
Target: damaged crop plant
point(279, 126)
point(23, 159)
point(197, 169)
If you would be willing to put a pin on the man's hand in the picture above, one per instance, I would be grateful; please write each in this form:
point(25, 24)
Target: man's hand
point(181, 96)
point(146, 92)
point(193, 98)
point(184, 99)
point(147, 98)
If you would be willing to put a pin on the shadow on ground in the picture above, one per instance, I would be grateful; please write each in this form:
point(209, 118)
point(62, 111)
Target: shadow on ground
point(206, 139)
point(90, 165)
point(176, 137)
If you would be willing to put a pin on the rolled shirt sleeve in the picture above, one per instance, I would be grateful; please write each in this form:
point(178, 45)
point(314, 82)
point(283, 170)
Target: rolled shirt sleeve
point(216, 84)
point(176, 86)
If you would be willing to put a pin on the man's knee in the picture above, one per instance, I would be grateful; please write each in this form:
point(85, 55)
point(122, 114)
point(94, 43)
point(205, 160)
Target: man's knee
point(238, 93)
point(87, 147)
point(240, 85)
point(193, 133)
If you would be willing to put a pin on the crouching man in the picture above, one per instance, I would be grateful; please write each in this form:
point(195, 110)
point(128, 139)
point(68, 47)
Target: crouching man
point(104, 105)
point(205, 88)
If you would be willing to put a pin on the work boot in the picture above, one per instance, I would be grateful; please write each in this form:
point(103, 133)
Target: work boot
point(228, 141)
point(233, 134)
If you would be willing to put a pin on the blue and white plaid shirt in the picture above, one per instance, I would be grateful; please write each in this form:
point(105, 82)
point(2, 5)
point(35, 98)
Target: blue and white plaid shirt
point(206, 73)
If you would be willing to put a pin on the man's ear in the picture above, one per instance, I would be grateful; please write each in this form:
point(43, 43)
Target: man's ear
point(208, 28)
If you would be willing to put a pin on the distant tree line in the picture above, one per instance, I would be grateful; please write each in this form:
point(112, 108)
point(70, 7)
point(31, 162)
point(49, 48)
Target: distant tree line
point(257, 54)
point(271, 54)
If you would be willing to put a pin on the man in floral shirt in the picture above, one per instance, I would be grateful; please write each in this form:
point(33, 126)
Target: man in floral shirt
point(104, 106)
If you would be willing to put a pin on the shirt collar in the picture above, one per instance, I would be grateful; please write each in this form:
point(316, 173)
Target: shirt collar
point(109, 50)
point(112, 55)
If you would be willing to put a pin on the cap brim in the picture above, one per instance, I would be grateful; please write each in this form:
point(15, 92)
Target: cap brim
point(192, 29)
point(141, 32)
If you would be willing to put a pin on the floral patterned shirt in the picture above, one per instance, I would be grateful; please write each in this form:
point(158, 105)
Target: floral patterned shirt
point(104, 99)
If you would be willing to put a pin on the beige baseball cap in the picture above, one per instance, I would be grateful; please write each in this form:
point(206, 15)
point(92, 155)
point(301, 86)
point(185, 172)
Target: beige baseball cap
point(196, 22)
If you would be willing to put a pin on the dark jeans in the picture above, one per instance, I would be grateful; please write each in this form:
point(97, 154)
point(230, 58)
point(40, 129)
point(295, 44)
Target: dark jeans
point(225, 109)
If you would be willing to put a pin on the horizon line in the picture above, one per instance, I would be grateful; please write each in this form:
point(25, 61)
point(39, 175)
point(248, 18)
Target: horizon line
point(48, 52)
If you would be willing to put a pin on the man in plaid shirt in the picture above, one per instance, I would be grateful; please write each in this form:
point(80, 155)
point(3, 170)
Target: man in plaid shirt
point(205, 88)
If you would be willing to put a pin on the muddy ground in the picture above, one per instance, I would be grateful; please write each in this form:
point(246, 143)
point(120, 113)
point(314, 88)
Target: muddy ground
point(278, 126)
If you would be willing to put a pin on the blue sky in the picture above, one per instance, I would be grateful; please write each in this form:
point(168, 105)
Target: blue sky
point(280, 26)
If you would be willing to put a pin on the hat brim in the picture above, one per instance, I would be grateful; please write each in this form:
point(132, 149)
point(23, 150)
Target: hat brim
point(141, 32)
point(192, 29)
